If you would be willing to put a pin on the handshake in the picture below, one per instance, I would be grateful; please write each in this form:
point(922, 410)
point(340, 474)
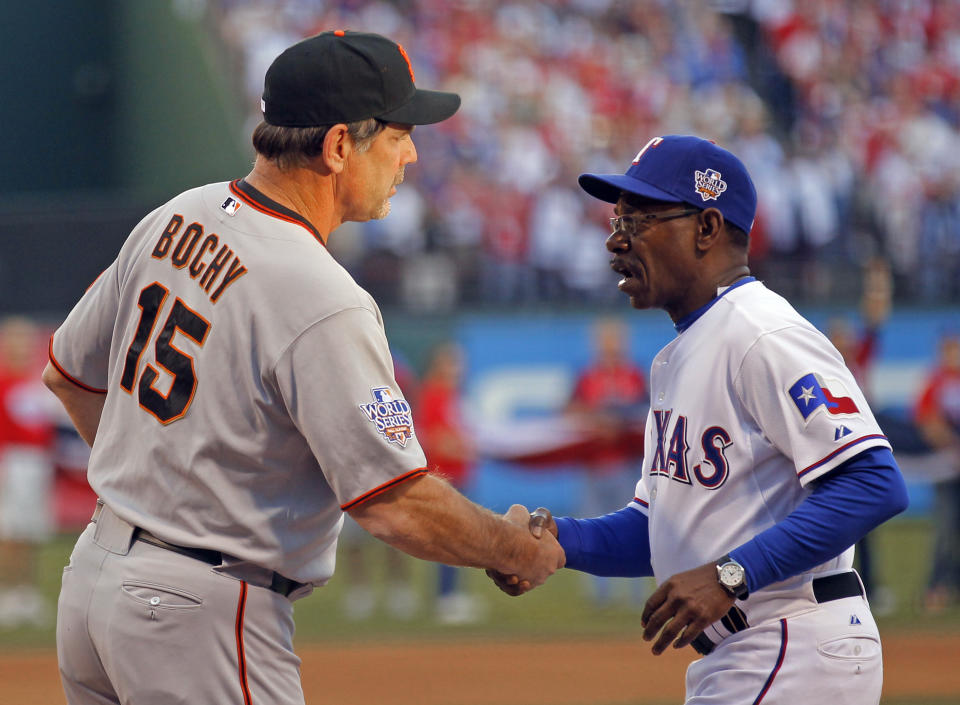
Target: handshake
point(677, 611)
point(548, 555)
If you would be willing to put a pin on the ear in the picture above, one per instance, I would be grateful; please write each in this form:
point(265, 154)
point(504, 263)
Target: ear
point(337, 146)
point(709, 229)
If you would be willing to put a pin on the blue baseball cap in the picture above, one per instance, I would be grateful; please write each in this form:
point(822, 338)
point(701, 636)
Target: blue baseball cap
point(683, 169)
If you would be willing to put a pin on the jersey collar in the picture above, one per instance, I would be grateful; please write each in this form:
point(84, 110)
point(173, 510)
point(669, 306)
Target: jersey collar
point(254, 198)
point(689, 319)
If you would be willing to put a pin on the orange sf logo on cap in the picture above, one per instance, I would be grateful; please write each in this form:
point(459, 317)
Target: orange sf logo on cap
point(407, 59)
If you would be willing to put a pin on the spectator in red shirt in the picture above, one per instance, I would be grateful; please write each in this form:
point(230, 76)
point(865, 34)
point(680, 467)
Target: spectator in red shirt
point(26, 472)
point(609, 401)
point(937, 414)
point(450, 452)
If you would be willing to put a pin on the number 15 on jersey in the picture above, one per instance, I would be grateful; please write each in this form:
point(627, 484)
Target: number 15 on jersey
point(178, 364)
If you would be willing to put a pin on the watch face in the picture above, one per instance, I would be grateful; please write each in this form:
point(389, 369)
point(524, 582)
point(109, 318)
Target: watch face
point(731, 574)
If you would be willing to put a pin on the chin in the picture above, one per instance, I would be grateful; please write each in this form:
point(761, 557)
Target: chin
point(382, 212)
point(640, 303)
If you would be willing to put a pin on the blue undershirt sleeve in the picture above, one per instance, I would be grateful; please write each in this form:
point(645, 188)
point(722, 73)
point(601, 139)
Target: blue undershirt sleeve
point(849, 501)
point(613, 545)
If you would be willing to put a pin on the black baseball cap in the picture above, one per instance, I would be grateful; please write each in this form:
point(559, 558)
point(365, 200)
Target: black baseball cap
point(343, 76)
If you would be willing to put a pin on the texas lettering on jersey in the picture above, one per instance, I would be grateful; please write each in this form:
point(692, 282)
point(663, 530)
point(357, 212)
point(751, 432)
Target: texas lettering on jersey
point(224, 266)
point(672, 458)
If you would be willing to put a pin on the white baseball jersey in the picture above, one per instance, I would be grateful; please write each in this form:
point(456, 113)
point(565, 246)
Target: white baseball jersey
point(749, 405)
point(250, 389)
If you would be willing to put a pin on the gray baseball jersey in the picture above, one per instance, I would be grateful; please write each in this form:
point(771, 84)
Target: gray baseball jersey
point(250, 389)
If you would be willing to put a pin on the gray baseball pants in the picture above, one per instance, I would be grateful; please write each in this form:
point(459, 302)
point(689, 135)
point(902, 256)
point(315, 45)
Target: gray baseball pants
point(141, 625)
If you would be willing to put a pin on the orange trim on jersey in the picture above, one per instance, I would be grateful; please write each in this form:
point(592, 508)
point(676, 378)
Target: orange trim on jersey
point(241, 654)
point(271, 208)
point(67, 376)
point(383, 488)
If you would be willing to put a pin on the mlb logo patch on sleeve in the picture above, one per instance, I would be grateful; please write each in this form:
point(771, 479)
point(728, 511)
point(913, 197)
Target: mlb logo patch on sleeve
point(391, 415)
point(811, 392)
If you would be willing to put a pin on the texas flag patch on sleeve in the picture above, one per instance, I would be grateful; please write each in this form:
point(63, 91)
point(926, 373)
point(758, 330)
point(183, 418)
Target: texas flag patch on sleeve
point(811, 392)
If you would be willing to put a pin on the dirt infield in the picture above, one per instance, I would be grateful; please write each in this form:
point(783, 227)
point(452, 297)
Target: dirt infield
point(610, 672)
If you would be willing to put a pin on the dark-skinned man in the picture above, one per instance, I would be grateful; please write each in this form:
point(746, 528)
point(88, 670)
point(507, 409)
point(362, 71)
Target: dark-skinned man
point(763, 465)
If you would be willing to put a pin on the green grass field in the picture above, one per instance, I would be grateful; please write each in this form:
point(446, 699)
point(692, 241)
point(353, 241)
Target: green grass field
point(559, 608)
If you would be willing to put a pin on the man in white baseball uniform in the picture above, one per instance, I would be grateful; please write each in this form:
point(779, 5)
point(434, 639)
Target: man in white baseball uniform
point(238, 392)
point(763, 464)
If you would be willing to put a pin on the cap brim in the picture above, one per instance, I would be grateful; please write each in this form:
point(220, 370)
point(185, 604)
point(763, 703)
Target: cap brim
point(608, 187)
point(425, 108)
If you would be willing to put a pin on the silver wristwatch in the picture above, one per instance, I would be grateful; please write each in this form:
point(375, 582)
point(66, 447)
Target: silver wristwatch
point(732, 577)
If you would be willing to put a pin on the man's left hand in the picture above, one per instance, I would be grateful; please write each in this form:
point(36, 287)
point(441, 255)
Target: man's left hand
point(684, 606)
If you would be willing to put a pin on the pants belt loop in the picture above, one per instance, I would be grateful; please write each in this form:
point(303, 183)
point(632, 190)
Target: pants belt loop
point(112, 534)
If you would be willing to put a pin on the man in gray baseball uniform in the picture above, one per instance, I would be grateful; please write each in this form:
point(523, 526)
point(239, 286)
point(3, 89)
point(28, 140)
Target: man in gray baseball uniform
point(238, 392)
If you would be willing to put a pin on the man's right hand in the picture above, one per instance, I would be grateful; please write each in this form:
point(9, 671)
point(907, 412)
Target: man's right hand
point(427, 518)
point(535, 522)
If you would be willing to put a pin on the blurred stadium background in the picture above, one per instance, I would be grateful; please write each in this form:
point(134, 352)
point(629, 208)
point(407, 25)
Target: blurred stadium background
point(847, 112)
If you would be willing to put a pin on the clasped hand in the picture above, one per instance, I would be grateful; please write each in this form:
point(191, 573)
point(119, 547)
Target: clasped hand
point(677, 611)
point(536, 522)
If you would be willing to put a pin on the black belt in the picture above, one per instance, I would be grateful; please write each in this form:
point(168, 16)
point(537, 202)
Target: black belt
point(278, 583)
point(831, 587)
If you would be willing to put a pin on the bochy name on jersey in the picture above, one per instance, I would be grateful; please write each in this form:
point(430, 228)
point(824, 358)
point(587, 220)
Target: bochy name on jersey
point(194, 252)
point(670, 458)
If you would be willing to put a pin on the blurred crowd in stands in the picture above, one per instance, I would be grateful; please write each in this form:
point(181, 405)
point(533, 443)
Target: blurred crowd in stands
point(847, 113)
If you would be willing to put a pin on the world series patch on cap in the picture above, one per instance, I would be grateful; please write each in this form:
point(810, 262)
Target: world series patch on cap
point(342, 77)
point(683, 169)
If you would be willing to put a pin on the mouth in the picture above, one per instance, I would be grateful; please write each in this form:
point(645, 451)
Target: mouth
point(629, 277)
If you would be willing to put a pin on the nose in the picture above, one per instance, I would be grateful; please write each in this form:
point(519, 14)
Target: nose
point(412, 153)
point(618, 242)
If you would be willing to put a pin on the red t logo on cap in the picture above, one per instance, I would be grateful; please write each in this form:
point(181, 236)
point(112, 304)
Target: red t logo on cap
point(407, 59)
